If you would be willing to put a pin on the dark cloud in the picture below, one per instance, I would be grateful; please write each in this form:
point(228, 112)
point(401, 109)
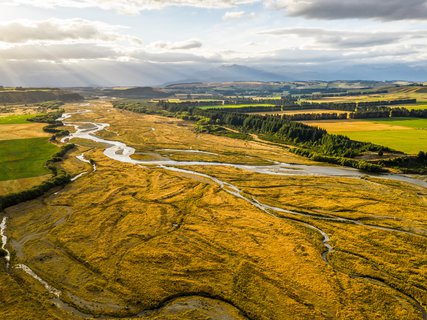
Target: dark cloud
point(348, 9)
point(346, 39)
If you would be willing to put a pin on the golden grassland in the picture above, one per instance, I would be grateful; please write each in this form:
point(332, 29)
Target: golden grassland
point(11, 186)
point(22, 131)
point(128, 238)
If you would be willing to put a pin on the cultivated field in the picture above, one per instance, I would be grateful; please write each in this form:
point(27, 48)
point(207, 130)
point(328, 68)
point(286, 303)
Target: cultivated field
point(24, 158)
point(407, 135)
point(15, 119)
point(419, 93)
point(187, 245)
point(24, 149)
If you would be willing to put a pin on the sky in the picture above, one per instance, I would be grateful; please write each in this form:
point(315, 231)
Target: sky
point(155, 42)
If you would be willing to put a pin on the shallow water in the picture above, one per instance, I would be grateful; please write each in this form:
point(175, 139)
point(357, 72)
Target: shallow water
point(30, 272)
point(3, 237)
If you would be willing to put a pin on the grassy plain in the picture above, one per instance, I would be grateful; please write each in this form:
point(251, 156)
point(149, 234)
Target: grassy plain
point(24, 158)
point(128, 238)
point(408, 134)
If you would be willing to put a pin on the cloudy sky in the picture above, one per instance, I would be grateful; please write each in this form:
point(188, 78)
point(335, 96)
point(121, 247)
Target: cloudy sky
point(152, 42)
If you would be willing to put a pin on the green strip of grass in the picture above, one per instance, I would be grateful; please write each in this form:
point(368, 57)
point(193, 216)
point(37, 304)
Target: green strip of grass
point(235, 106)
point(16, 119)
point(25, 158)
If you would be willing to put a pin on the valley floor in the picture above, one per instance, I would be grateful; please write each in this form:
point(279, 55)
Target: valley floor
point(249, 236)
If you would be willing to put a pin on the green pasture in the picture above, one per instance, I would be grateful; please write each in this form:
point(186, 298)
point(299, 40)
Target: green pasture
point(16, 119)
point(236, 106)
point(25, 158)
point(410, 141)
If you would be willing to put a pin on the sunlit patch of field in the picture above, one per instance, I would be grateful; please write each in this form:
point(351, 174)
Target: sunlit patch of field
point(407, 135)
point(22, 131)
point(128, 238)
point(339, 126)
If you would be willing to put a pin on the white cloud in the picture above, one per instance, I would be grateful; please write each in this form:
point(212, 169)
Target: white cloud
point(386, 10)
point(19, 31)
point(235, 15)
point(132, 6)
point(179, 45)
point(58, 52)
point(350, 39)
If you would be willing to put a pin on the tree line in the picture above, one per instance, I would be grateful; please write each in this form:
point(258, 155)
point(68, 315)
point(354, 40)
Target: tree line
point(50, 118)
point(356, 106)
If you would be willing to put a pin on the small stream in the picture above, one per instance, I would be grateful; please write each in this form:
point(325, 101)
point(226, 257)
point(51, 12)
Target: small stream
point(30, 272)
point(83, 159)
point(3, 237)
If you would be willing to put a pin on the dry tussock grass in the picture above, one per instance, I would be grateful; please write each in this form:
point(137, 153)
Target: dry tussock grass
point(126, 238)
point(22, 131)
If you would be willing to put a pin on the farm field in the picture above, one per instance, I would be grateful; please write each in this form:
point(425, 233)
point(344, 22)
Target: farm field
point(24, 149)
point(196, 241)
point(15, 119)
point(24, 158)
point(419, 93)
point(407, 135)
